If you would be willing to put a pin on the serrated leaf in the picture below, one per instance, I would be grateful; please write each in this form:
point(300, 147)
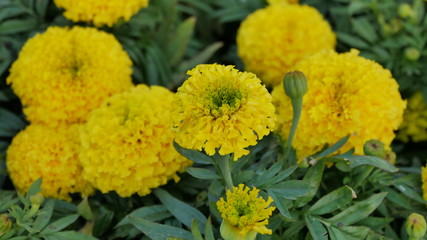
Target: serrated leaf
point(266, 176)
point(44, 215)
point(358, 211)
point(332, 148)
point(348, 233)
point(193, 155)
point(332, 201)
point(202, 173)
point(377, 162)
point(313, 177)
point(17, 26)
point(280, 204)
point(317, 230)
point(60, 224)
point(284, 174)
point(291, 189)
point(154, 213)
point(179, 209)
point(157, 231)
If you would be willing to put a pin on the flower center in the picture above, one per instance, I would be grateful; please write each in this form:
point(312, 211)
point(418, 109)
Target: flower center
point(223, 101)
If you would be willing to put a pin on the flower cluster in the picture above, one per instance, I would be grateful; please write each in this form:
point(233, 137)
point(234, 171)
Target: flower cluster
point(127, 142)
point(100, 12)
point(414, 125)
point(39, 151)
point(245, 211)
point(64, 73)
point(347, 95)
point(219, 107)
point(272, 40)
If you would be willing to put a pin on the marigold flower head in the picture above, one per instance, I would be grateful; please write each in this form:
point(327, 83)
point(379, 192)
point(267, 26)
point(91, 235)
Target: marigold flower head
point(414, 125)
point(244, 210)
point(100, 12)
point(52, 154)
point(272, 40)
point(347, 95)
point(220, 107)
point(64, 73)
point(127, 142)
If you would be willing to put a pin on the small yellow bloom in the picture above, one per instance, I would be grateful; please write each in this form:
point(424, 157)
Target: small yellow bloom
point(347, 95)
point(64, 73)
point(100, 12)
point(219, 107)
point(127, 142)
point(245, 211)
point(272, 40)
point(51, 154)
point(414, 126)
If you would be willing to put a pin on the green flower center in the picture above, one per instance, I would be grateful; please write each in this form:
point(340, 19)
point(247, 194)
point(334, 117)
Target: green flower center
point(223, 101)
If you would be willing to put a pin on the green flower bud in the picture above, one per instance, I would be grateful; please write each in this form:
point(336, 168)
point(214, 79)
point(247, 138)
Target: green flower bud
point(412, 54)
point(416, 226)
point(390, 156)
point(36, 200)
point(5, 224)
point(229, 232)
point(374, 148)
point(304, 163)
point(405, 10)
point(295, 84)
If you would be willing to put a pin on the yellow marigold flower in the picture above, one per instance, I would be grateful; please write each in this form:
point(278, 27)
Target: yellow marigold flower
point(245, 211)
point(127, 142)
point(63, 74)
point(220, 107)
point(52, 154)
point(272, 40)
point(347, 95)
point(100, 12)
point(414, 124)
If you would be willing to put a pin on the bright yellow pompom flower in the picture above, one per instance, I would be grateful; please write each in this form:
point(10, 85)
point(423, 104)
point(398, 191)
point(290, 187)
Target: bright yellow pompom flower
point(220, 107)
point(272, 40)
point(414, 124)
point(127, 142)
point(100, 12)
point(63, 74)
point(52, 154)
point(244, 211)
point(347, 95)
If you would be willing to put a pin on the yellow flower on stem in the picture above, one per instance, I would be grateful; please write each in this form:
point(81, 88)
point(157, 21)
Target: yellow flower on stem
point(100, 12)
point(244, 213)
point(414, 125)
point(219, 107)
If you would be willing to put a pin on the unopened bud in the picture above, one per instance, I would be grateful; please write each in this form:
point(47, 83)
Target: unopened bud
point(304, 163)
point(390, 157)
point(36, 200)
point(416, 226)
point(295, 84)
point(412, 54)
point(374, 148)
point(5, 224)
point(405, 10)
point(229, 232)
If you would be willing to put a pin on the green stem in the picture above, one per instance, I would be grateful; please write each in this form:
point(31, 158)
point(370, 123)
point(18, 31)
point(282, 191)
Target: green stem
point(297, 108)
point(224, 167)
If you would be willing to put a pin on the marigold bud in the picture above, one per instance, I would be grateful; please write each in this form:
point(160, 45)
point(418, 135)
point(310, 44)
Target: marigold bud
point(390, 156)
point(416, 226)
point(405, 10)
point(229, 232)
point(295, 84)
point(36, 200)
point(5, 224)
point(374, 148)
point(412, 54)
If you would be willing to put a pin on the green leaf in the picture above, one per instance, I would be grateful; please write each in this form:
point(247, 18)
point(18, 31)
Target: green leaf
point(60, 224)
point(157, 231)
point(179, 209)
point(201, 57)
point(208, 230)
point(202, 173)
point(41, 7)
point(176, 48)
point(332, 148)
point(10, 124)
point(291, 189)
point(17, 26)
point(313, 177)
point(67, 235)
point(358, 211)
point(195, 230)
point(154, 213)
point(409, 192)
point(44, 215)
point(284, 174)
point(352, 41)
point(84, 209)
point(375, 223)
point(266, 176)
point(348, 233)
point(35, 187)
point(332, 201)
point(317, 230)
point(377, 162)
point(397, 198)
point(193, 155)
point(364, 29)
point(103, 219)
point(280, 204)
